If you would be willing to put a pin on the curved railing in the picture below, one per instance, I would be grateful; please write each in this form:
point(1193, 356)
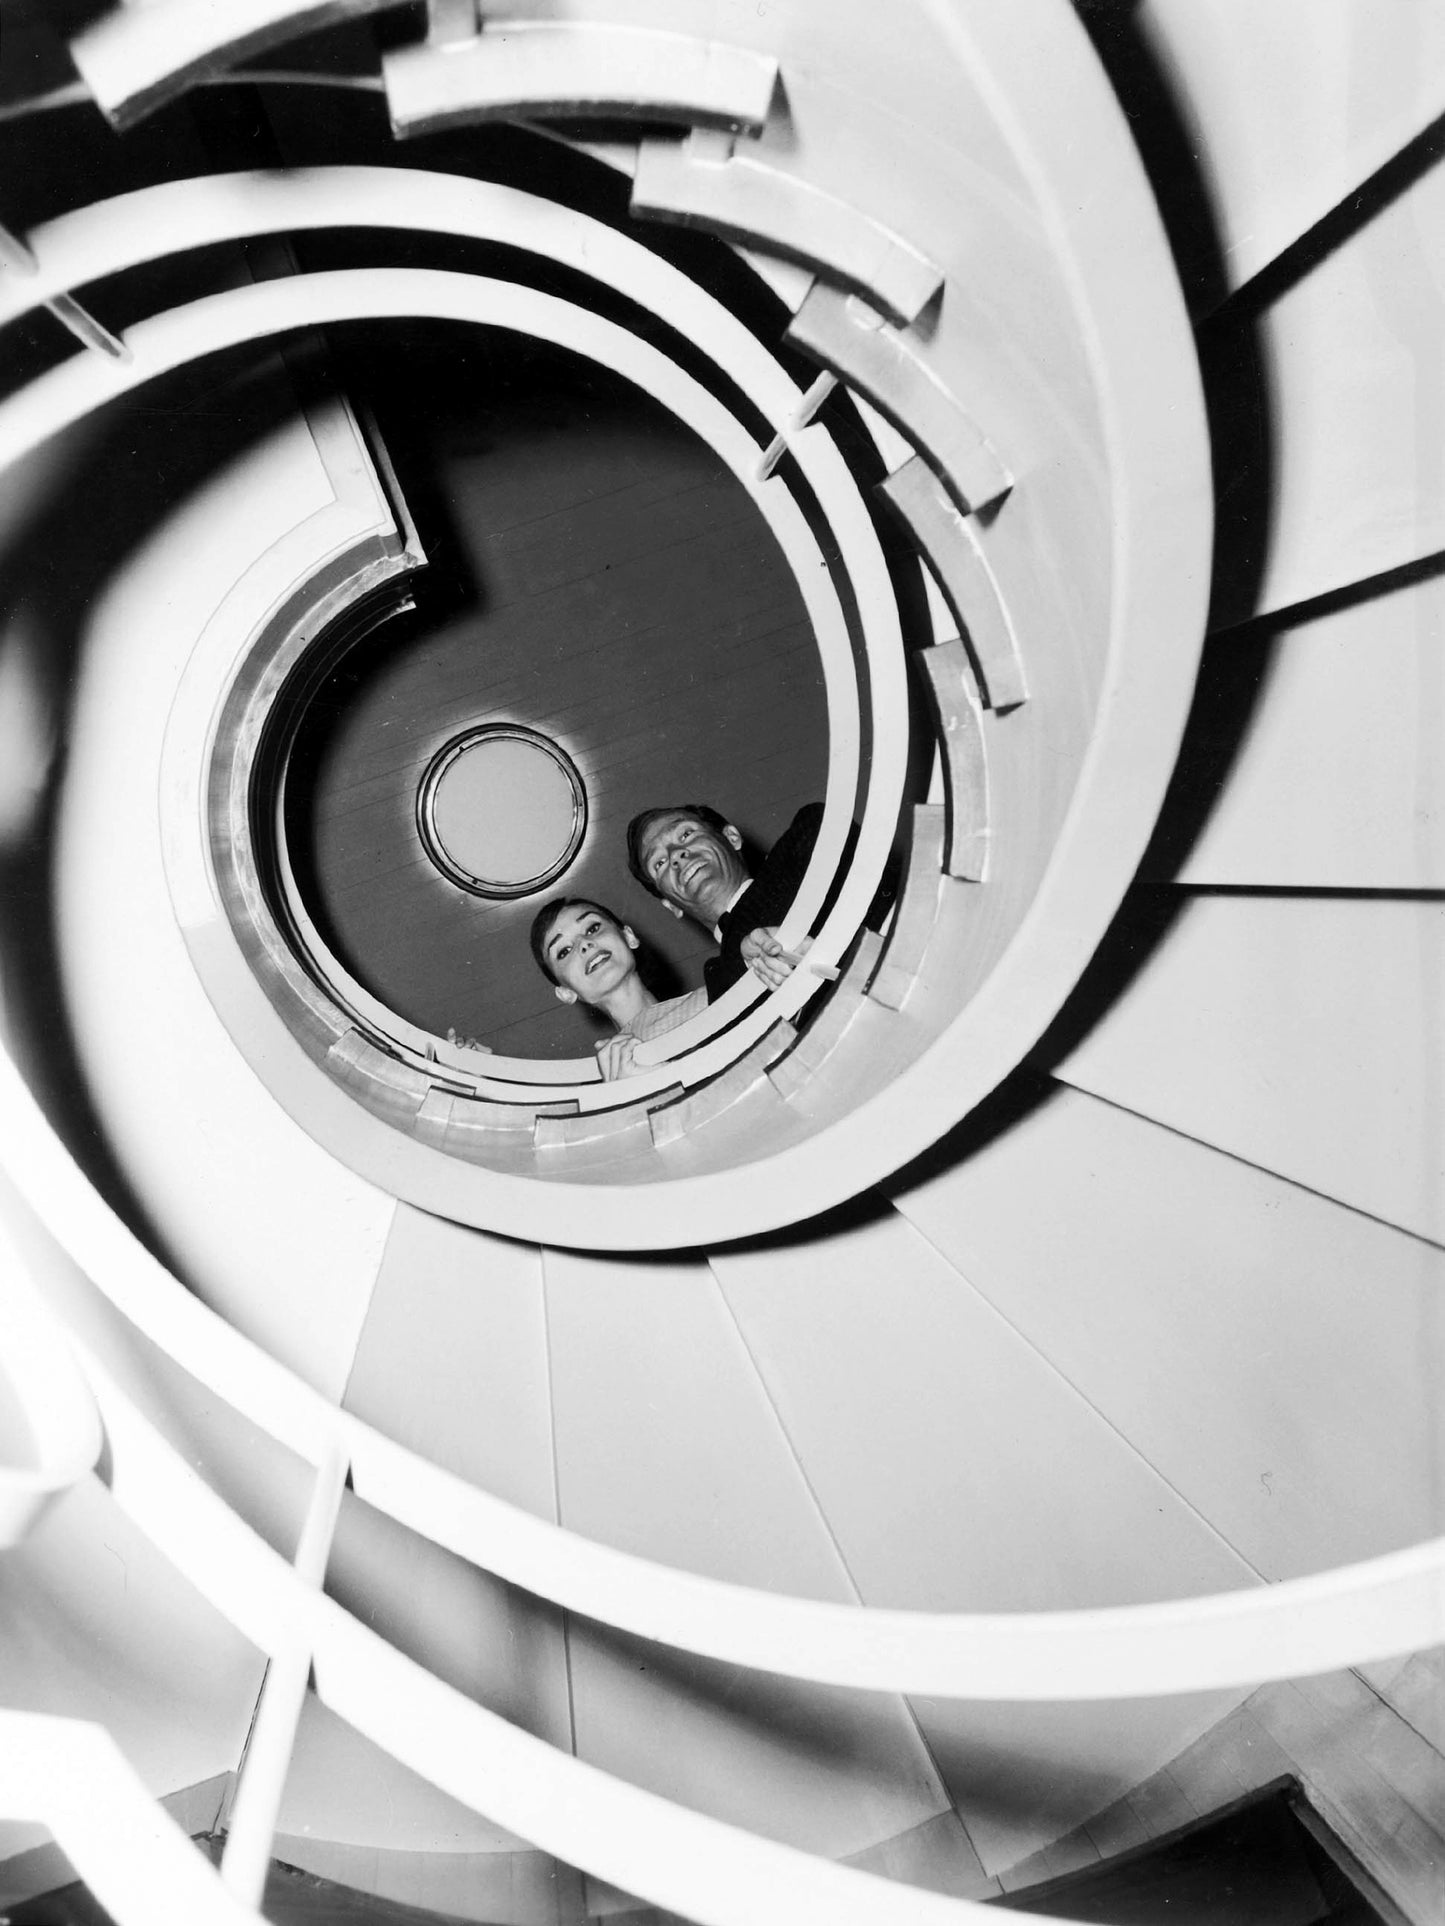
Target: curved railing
point(1387, 1605)
point(698, 1866)
point(135, 60)
point(53, 1426)
point(577, 69)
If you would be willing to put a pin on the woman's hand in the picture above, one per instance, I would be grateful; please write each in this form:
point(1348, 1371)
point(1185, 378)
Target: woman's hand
point(765, 956)
point(614, 1057)
point(468, 1043)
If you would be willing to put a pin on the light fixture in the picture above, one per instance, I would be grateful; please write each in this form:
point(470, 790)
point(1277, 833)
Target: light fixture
point(501, 810)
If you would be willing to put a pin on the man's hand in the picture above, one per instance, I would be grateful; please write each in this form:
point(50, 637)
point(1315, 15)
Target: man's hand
point(614, 1057)
point(765, 956)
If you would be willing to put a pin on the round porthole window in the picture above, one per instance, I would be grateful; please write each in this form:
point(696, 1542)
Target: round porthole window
point(501, 810)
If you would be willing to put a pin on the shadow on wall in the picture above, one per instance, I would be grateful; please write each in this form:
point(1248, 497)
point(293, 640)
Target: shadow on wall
point(1231, 679)
point(73, 515)
point(1236, 666)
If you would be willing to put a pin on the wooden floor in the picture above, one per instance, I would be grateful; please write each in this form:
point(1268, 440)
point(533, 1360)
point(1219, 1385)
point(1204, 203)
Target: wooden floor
point(597, 575)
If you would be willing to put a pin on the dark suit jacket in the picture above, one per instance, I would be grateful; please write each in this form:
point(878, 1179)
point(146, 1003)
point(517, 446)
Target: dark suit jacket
point(765, 901)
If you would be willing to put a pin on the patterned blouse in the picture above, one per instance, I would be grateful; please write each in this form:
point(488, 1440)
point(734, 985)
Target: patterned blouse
point(659, 1018)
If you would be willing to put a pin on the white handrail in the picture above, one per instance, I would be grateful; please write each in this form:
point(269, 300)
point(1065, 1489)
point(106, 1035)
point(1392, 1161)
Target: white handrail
point(135, 59)
point(519, 68)
point(51, 1395)
point(747, 198)
point(262, 1780)
point(1353, 1616)
point(704, 1868)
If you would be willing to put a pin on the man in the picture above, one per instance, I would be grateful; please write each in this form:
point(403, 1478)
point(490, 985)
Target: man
point(691, 858)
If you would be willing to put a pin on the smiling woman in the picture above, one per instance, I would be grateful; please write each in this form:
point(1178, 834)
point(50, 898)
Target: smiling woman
point(590, 956)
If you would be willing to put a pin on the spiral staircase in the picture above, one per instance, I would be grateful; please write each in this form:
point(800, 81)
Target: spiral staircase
point(963, 1414)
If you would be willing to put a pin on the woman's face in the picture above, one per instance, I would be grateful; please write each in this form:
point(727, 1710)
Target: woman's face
point(588, 953)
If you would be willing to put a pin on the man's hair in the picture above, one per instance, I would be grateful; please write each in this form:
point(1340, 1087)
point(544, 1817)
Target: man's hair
point(644, 820)
point(546, 916)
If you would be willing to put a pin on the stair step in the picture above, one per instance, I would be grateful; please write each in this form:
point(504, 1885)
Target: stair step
point(855, 343)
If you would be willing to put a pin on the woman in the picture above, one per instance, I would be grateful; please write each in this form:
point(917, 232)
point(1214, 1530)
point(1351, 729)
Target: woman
point(591, 958)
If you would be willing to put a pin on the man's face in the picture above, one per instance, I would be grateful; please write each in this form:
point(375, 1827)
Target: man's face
point(588, 953)
point(694, 869)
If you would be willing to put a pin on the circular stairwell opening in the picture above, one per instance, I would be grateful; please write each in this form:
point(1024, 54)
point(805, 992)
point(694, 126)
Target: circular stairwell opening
point(604, 622)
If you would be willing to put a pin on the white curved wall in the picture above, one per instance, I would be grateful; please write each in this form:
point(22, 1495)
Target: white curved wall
point(263, 1223)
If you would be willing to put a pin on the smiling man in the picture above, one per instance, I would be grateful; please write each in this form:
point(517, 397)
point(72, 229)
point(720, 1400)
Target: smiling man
point(691, 858)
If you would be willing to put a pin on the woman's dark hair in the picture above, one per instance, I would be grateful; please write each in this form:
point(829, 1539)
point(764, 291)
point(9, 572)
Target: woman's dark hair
point(644, 820)
point(546, 916)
